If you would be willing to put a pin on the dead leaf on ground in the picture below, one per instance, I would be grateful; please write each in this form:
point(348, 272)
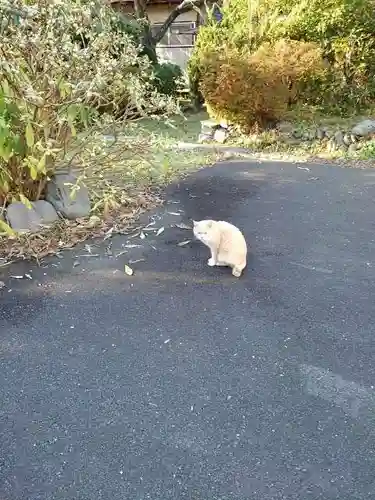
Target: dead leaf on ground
point(183, 243)
point(160, 231)
point(183, 226)
point(128, 270)
point(108, 233)
point(173, 213)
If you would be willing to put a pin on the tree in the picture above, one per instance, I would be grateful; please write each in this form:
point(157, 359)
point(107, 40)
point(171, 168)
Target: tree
point(149, 38)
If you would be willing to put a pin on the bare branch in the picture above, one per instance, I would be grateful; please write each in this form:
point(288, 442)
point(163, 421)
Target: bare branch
point(185, 6)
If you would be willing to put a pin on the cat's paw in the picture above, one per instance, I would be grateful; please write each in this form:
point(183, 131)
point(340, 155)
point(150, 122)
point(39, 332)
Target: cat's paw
point(236, 271)
point(211, 262)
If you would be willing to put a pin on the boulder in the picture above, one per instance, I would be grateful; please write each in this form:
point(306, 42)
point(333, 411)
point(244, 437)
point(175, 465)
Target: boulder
point(71, 203)
point(24, 219)
point(353, 147)
point(208, 127)
point(221, 135)
point(364, 128)
point(320, 134)
point(347, 140)
point(339, 139)
point(204, 138)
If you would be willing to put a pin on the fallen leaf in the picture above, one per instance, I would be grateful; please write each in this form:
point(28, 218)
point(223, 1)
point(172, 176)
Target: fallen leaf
point(121, 253)
point(135, 261)
point(128, 270)
point(142, 235)
point(28, 276)
point(183, 226)
point(18, 277)
point(166, 341)
point(160, 231)
point(2, 284)
point(183, 243)
point(108, 234)
point(304, 168)
point(173, 213)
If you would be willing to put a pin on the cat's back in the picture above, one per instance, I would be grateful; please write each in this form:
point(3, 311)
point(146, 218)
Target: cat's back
point(231, 236)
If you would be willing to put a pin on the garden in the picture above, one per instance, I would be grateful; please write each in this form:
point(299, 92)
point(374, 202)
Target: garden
point(90, 119)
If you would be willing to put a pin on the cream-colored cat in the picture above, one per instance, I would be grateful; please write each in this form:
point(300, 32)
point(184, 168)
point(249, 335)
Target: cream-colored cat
point(226, 242)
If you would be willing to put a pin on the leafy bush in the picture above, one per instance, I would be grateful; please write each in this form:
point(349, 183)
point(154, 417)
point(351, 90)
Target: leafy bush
point(299, 64)
point(167, 78)
point(343, 29)
point(236, 88)
point(49, 83)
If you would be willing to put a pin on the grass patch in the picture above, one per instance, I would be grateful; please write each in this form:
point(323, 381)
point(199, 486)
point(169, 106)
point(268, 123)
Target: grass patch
point(144, 155)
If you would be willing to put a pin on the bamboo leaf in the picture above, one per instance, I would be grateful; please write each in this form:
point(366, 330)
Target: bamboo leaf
point(29, 134)
point(5, 228)
point(25, 201)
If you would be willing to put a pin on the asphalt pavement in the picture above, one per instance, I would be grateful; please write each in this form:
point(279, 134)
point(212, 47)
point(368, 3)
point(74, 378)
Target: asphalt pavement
point(183, 382)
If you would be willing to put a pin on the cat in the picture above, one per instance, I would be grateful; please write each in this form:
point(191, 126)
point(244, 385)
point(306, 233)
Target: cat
point(226, 242)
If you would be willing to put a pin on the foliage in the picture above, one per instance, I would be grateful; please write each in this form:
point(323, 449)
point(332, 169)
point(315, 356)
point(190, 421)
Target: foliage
point(343, 29)
point(167, 77)
point(298, 64)
point(49, 83)
point(238, 89)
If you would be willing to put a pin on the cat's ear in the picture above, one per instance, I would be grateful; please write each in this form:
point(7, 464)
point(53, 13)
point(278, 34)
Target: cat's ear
point(195, 222)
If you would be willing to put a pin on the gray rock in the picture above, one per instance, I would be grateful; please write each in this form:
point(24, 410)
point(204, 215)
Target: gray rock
point(297, 134)
point(209, 126)
point(347, 139)
point(24, 219)
point(364, 128)
point(204, 138)
point(71, 202)
point(353, 147)
point(285, 127)
point(331, 145)
point(306, 136)
point(339, 139)
point(220, 135)
point(328, 134)
point(320, 133)
point(224, 124)
point(45, 211)
point(312, 135)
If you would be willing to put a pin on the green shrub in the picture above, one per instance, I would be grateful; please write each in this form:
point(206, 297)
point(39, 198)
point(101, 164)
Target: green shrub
point(49, 85)
point(167, 78)
point(298, 64)
point(256, 89)
point(239, 90)
point(343, 29)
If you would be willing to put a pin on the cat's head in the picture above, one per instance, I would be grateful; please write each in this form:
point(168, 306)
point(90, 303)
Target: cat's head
point(202, 229)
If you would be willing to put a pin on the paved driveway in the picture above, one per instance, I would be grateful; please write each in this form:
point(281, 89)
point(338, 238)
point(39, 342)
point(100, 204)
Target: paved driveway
point(182, 382)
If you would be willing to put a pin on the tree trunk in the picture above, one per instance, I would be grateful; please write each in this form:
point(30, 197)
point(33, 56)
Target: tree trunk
point(150, 39)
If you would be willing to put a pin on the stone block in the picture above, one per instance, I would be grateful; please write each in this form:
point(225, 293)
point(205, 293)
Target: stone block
point(70, 202)
point(24, 219)
point(364, 128)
